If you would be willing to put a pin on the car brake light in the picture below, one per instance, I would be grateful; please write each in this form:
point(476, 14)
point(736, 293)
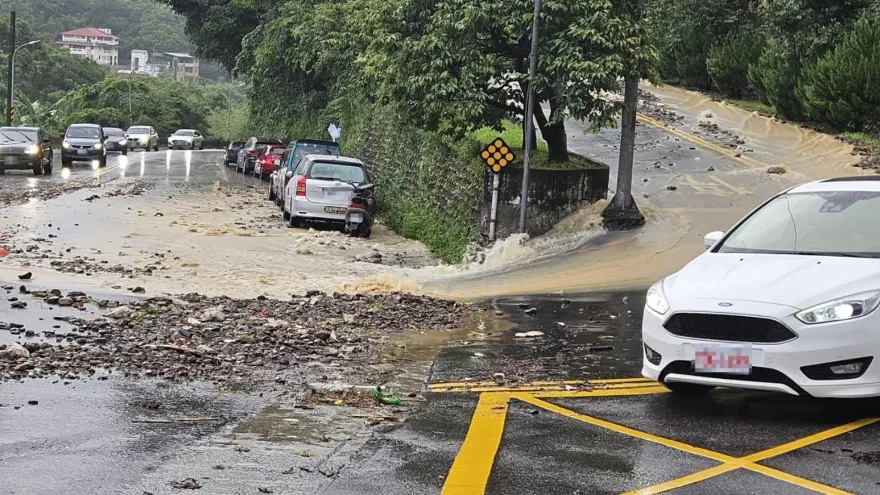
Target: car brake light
point(253, 152)
point(301, 186)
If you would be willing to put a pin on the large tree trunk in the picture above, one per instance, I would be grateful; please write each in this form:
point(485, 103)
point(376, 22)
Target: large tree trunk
point(553, 133)
point(557, 142)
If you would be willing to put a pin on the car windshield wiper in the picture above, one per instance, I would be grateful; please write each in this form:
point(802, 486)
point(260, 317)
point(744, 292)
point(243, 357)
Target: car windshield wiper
point(839, 254)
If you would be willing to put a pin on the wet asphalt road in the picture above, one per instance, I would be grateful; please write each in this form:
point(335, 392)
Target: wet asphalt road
point(546, 452)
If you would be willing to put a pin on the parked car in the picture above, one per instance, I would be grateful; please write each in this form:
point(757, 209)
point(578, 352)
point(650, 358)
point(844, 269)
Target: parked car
point(250, 151)
point(785, 301)
point(25, 148)
point(190, 139)
point(291, 158)
point(320, 189)
point(115, 140)
point(268, 161)
point(142, 136)
point(83, 142)
point(232, 152)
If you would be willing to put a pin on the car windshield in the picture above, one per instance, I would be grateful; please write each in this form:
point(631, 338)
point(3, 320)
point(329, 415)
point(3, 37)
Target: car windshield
point(337, 171)
point(834, 223)
point(11, 134)
point(236, 144)
point(138, 130)
point(112, 131)
point(83, 132)
point(184, 132)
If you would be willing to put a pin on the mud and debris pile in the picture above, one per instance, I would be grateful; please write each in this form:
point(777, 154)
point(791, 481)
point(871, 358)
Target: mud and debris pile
point(219, 339)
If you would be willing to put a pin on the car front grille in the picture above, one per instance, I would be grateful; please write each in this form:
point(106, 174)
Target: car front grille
point(730, 328)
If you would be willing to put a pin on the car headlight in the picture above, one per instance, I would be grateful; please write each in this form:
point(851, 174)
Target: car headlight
point(656, 299)
point(32, 150)
point(144, 140)
point(122, 142)
point(98, 146)
point(65, 145)
point(845, 308)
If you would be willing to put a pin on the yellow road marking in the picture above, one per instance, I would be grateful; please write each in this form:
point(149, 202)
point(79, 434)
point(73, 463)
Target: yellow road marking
point(702, 142)
point(810, 440)
point(215, 188)
point(611, 392)
point(473, 463)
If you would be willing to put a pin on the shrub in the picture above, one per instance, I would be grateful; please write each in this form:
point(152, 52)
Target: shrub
point(842, 88)
point(775, 76)
point(727, 63)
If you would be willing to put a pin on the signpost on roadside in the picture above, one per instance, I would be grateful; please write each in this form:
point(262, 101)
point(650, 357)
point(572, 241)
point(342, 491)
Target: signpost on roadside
point(335, 131)
point(496, 155)
point(11, 61)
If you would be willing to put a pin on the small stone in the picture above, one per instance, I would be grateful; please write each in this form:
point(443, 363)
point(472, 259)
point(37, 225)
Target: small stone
point(53, 299)
point(138, 290)
point(120, 312)
point(671, 188)
point(776, 170)
point(711, 169)
point(33, 402)
point(531, 311)
point(25, 276)
point(18, 305)
point(65, 301)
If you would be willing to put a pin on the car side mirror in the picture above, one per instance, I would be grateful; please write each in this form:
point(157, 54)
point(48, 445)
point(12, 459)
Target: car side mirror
point(47, 140)
point(289, 173)
point(712, 238)
point(62, 136)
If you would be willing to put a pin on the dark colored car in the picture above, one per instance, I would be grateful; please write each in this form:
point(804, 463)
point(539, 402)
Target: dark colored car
point(250, 151)
point(232, 152)
point(116, 140)
point(83, 142)
point(269, 161)
point(293, 155)
point(25, 148)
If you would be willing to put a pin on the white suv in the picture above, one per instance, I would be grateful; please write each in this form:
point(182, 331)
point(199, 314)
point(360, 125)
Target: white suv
point(142, 136)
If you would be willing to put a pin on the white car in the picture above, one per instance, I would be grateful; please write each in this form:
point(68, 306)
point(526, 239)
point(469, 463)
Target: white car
point(785, 301)
point(189, 139)
point(142, 136)
point(321, 189)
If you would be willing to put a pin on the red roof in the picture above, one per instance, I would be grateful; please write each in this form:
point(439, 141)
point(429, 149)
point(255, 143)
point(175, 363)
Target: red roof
point(89, 31)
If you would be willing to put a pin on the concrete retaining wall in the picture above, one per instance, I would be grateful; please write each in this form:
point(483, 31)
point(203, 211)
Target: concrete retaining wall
point(553, 194)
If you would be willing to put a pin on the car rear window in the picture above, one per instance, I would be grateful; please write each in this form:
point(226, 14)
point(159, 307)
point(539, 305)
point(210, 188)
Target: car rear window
point(277, 151)
point(348, 172)
point(112, 131)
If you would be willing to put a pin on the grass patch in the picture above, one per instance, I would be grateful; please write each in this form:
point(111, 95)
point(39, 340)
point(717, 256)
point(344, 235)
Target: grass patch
point(863, 138)
point(512, 135)
point(541, 161)
point(752, 105)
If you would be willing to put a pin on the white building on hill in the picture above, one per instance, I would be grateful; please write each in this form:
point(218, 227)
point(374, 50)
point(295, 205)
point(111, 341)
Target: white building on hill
point(92, 43)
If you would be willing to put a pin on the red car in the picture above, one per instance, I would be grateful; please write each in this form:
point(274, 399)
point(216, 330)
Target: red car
point(268, 160)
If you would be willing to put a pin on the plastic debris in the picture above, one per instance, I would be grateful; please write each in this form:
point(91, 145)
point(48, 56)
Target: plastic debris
point(529, 335)
point(385, 397)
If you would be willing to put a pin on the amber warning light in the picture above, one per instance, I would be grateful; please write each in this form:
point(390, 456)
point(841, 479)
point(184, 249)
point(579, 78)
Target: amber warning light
point(497, 155)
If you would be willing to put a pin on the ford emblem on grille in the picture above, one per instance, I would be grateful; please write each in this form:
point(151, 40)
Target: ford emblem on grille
point(725, 305)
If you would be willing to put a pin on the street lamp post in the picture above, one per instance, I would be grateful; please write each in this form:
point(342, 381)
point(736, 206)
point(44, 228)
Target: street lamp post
point(10, 90)
point(530, 119)
point(229, 115)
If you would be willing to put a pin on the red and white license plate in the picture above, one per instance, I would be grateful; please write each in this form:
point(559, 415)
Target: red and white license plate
point(723, 359)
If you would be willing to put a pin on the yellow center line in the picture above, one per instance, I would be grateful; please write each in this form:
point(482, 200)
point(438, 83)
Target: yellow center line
point(473, 463)
point(702, 142)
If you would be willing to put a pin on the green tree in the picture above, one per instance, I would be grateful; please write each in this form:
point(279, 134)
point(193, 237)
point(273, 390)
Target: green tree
point(843, 87)
point(728, 63)
point(457, 65)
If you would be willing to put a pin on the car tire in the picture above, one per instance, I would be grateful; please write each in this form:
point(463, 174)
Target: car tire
point(38, 169)
point(102, 162)
point(66, 163)
point(688, 389)
point(156, 148)
point(47, 168)
point(285, 215)
point(125, 152)
point(201, 146)
point(295, 222)
point(272, 193)
point(2, 171)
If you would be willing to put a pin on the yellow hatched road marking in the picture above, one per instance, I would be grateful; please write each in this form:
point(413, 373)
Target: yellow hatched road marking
point(473, 463)
point(475, 386)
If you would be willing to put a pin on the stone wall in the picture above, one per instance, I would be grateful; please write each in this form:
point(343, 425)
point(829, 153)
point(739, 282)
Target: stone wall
point(553, 194)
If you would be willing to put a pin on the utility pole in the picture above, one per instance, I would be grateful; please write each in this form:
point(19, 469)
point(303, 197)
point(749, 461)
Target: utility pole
point(11, 68)
point(530, 119)
point(622, 212)
point(130, 112)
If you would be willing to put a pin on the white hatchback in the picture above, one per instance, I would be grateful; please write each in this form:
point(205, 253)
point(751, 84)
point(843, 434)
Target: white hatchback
point(785, 301)
point(320, 189)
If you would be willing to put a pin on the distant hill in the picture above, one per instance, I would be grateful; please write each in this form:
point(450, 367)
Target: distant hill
point(139, 24)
